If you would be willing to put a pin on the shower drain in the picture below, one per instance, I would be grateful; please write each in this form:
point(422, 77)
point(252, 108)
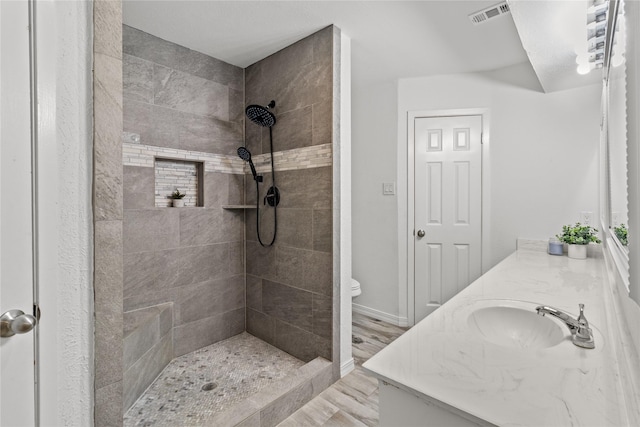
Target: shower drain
point(209, 386)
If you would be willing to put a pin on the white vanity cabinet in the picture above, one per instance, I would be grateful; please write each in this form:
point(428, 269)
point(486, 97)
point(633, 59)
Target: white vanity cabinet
point(401, 408)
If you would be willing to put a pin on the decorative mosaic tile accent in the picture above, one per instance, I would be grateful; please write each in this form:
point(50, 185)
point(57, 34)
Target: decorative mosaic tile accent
point(198, 385)
point(135, 154)
point(172, 175)
point(299, 158)
point(144, 155)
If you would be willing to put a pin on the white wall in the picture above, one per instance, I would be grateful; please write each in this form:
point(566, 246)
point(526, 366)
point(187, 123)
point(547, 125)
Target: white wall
point(374, 216)
point(543, 167)
point(65, 242)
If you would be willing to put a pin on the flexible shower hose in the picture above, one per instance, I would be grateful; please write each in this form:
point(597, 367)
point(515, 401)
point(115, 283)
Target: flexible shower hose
point(274, 195)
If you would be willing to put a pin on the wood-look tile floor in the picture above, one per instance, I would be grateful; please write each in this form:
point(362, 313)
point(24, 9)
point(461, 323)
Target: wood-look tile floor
point(352, 401)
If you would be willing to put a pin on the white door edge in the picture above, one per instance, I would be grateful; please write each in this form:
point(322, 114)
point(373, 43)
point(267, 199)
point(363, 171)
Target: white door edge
point(19, 361)
point(409, 289)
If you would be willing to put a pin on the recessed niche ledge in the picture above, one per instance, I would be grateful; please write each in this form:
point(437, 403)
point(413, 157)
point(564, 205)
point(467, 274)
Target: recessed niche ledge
point(238, 206)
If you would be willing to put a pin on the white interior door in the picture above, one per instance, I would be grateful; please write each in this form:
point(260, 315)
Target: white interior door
point(448, 208)
point(17, 355)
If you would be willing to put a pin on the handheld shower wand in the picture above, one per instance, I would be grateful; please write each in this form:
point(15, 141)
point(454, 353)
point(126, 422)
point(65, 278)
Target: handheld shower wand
point(246, 156)
point(263, 117)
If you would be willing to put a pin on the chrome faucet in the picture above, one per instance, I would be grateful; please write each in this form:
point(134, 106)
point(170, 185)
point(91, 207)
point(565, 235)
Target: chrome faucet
point(581, 333)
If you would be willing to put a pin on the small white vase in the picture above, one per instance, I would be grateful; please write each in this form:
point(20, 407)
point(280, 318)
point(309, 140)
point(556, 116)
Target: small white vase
point(578, 251)
point(178, 203)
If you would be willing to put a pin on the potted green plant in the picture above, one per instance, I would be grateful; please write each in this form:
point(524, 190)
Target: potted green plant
point(578, 237)
point(178, 197)
point(622, 234)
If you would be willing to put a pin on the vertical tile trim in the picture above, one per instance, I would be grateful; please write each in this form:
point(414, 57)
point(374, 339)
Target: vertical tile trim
point(107, 200)
point(337, 272)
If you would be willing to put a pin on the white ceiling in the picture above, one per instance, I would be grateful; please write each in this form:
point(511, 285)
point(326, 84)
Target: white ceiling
point(550, 32)
point(390, 39)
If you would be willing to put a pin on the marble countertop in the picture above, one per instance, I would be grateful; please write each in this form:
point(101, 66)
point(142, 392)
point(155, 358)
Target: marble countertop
point(441, 360)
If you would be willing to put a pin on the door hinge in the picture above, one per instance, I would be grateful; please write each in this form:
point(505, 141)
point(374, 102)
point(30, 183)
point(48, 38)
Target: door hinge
point(481, 138)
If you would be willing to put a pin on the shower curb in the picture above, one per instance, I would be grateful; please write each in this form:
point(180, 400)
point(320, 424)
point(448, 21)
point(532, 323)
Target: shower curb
point(269, 407)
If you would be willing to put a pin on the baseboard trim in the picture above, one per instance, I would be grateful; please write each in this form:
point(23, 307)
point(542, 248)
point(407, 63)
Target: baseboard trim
point(381, 315)
point(347, 367)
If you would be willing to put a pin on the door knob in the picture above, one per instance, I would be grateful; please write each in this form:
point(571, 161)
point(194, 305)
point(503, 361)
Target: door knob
point(420, 233)
point(16, 322)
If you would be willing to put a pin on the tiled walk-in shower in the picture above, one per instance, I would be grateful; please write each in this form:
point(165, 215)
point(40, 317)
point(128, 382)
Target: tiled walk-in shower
point(195, 280)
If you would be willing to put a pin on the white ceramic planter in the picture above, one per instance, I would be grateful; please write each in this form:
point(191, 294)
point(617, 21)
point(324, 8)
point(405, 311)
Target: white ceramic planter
point(578, 251)
point(178, 203)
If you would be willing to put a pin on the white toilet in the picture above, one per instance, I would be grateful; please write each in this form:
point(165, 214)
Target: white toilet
point(355, 288)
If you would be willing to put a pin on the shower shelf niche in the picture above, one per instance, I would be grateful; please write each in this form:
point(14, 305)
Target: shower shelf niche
point(178, 174)
point(238, 206)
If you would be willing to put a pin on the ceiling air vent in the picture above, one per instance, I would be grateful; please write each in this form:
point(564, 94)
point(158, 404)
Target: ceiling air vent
point(488, 13)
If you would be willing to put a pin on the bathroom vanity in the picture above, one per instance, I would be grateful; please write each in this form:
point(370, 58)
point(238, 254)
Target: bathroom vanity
point(487, 358)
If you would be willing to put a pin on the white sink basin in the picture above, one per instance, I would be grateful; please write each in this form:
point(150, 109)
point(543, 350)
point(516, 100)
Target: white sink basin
point(516, 328)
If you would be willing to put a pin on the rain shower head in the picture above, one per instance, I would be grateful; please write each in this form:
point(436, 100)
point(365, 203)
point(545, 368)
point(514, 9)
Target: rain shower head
point(245, 155)
point(261, 115)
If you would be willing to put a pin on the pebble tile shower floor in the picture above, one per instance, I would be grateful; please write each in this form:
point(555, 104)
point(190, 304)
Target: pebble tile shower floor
point(194, 387)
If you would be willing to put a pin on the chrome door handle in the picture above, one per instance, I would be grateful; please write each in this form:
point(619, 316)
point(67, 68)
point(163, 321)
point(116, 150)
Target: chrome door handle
point(420, 233)
point(16, 322)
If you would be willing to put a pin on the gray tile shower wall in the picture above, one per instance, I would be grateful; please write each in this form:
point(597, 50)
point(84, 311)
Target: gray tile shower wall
point(178, 98)
point(299, 78)
point(192, 257)
point(289, 286)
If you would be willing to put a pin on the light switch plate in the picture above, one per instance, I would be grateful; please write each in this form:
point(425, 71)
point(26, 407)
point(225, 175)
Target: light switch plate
point(388, 188)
